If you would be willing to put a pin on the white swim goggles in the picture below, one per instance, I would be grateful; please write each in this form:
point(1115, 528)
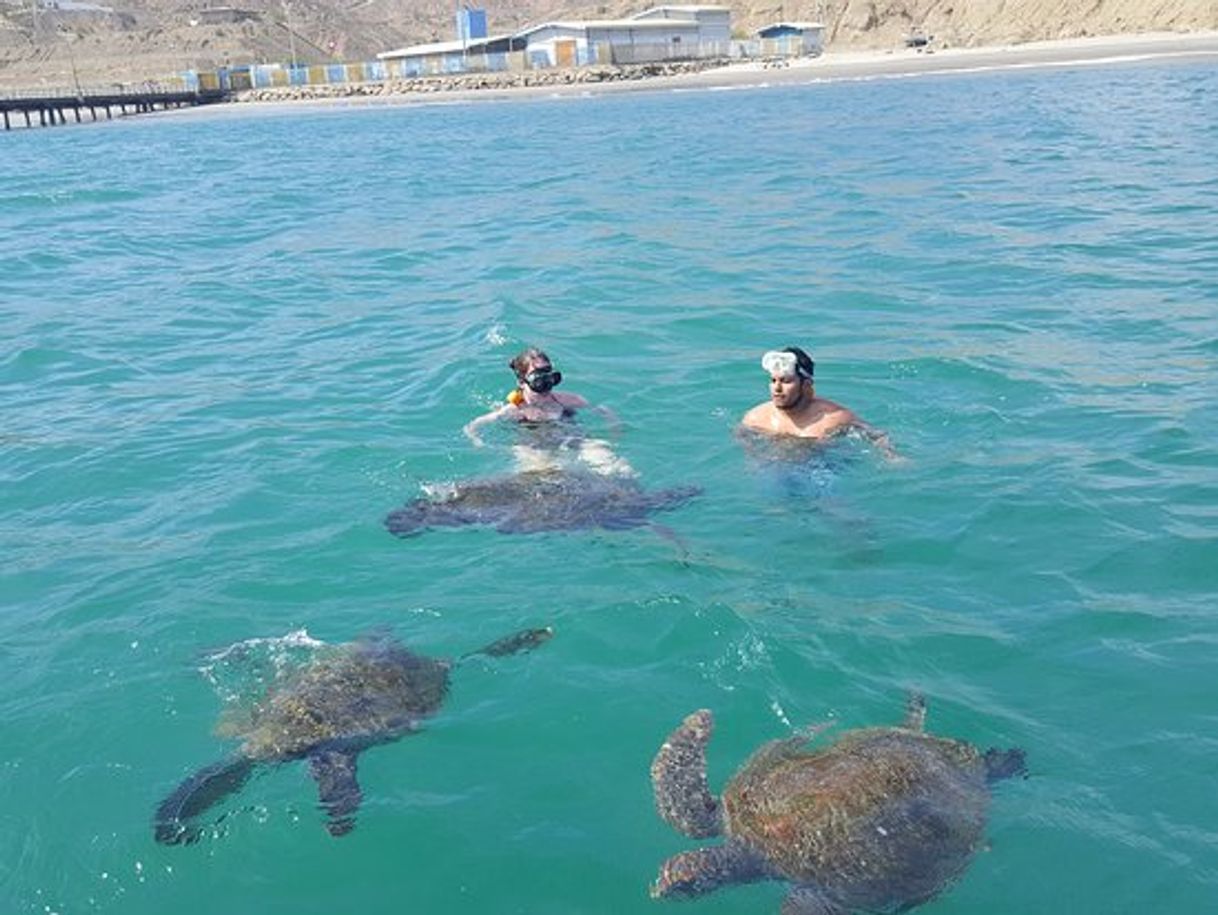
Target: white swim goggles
point(781, 364)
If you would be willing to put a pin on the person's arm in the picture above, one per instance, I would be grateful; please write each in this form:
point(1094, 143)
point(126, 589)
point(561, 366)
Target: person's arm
point(876, 437)
point(611, 419)
point(577, 402)
point(472, 427)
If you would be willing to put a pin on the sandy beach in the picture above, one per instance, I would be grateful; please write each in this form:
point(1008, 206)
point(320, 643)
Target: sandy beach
point(1064, 52)
point(1116, 49)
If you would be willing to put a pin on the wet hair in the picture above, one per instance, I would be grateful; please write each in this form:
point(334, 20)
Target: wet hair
point(803, 361)
point(523, 361)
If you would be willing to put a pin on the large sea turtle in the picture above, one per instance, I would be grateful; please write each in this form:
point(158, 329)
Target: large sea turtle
point(351, 697)
point(539, 500)
point(880, 821)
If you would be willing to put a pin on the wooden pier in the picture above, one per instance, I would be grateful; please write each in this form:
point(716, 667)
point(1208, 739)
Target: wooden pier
point(51, 108)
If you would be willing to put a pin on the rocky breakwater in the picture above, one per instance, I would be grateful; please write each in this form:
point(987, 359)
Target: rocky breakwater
point(464, 82)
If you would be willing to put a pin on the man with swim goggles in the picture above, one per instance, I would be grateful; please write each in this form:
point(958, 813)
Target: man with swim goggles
point(535, 403)
point(794, 409)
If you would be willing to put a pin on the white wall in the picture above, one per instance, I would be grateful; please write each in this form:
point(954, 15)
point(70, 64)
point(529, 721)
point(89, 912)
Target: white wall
point(687, 34)
point(716, 24)
point(543, 40)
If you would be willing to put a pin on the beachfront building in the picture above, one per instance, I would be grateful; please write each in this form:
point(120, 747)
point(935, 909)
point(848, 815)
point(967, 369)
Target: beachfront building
point(491, 53)
point(798, 39)
point(679, 32)
point(610, 41)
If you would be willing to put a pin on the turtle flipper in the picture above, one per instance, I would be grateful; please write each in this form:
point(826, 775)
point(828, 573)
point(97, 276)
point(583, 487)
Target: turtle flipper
point(694, 873)
point(808, 900)
point(666, 499)
point(678, 777)
point(337, 788)
point(198, 793)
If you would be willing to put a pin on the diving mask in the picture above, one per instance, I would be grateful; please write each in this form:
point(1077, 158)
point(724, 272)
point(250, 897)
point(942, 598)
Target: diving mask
point(540, 381)
point(783, 364)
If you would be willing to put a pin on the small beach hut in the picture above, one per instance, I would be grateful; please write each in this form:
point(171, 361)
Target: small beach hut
point(796, 39)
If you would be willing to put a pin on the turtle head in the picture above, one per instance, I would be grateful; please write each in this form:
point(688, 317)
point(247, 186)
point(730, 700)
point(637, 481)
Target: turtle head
point(411, 519)
point(525, 640)
point(1000, 764)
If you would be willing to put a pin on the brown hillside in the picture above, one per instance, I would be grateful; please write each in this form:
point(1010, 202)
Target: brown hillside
point(131, 40)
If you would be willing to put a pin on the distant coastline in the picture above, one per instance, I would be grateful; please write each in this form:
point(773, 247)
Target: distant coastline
point(1195, 46)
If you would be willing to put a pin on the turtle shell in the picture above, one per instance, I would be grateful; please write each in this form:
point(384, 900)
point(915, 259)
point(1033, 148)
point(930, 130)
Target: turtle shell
point(361, 693)
point(884, 818)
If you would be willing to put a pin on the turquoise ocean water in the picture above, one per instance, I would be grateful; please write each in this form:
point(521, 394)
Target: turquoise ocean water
point(234, 341)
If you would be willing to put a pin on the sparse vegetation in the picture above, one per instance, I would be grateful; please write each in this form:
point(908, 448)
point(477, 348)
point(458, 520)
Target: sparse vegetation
point(149, 38)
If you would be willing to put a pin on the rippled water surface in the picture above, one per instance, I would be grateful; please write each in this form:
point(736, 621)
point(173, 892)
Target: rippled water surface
point(235, 341)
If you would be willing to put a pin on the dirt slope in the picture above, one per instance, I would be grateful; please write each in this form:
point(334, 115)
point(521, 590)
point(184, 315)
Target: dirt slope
point(106, 41)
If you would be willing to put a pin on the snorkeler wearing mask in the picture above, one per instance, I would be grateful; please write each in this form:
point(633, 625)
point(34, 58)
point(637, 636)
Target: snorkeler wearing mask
point(794, 409)
point(549, 416)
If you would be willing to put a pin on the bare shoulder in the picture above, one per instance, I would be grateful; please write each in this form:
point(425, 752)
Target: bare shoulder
point(835, 416)
point(570, 400)
point(501, 410)
point(758, 417)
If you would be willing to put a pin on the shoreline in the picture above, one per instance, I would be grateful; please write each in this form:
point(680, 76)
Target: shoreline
point(828, 67)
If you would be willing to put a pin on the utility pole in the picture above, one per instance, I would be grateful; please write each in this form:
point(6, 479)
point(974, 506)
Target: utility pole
point(287, 13)
point(75, 76)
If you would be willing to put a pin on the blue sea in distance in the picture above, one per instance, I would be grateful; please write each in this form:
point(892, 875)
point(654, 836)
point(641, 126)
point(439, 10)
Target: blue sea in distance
point(235, 340)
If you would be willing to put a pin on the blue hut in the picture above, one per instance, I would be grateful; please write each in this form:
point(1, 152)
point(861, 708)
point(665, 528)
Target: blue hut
point(797, 39)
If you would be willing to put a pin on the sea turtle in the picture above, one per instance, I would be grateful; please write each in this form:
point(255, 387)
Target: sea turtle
point(539, 500)
point(880, 821)
point(354, 696)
